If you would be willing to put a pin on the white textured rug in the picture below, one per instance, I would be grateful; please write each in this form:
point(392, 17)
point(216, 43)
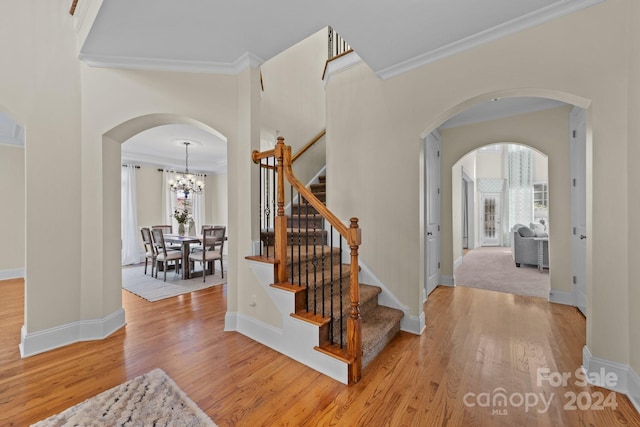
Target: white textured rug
point(152, 399)
point(135, 281)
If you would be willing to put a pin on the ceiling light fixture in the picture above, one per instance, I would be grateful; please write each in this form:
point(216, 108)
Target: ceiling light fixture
point(186, 182)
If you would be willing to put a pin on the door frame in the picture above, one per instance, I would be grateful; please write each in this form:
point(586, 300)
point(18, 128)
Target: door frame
point(469, 186)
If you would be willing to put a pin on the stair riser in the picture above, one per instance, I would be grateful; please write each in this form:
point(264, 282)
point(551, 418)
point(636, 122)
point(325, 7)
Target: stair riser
point(294, 238)
point(311, 222)
point(308, 265)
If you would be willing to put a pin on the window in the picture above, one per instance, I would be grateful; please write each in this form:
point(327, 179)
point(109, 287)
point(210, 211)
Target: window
point(541, 196)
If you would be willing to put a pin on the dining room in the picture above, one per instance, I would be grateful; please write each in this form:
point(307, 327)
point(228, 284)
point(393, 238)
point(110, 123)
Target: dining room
point(174, 211)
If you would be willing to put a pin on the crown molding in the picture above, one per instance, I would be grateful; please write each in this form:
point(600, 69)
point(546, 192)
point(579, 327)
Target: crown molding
point(245, 60)
point(532, 19)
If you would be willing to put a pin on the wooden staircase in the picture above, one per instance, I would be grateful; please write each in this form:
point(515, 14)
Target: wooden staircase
point(309, 248)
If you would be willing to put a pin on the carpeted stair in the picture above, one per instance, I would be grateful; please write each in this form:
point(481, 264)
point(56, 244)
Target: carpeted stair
point(380, 324)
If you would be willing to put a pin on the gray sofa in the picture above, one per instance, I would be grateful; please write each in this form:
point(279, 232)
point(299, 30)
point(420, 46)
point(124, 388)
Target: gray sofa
point(525, 248)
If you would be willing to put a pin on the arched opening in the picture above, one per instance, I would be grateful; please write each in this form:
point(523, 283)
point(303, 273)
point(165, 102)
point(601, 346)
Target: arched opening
point(500, 219)
point(152, 143)
point(530, 129)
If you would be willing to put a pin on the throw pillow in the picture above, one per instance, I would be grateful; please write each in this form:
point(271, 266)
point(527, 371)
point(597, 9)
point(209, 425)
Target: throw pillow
point(526, 232)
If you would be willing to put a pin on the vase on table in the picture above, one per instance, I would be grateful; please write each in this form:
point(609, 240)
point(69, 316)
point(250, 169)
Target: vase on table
point(181, 229)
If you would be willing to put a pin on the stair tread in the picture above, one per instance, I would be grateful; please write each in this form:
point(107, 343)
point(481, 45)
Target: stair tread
point(378, 329)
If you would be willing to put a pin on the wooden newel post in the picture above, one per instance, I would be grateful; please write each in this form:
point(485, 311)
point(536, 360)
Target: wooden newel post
point(282, 154)
point(354, 323)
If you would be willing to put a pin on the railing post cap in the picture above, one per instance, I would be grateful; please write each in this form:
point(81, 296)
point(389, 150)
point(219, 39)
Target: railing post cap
point(354, 222)
point(280, 138)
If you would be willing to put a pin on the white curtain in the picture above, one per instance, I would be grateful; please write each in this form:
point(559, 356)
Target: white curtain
point(520, 170)
point(129, 217)
point(198, 205)
point(168, 200)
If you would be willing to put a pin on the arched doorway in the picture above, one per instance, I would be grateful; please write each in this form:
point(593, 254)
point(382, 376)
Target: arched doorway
point(526, 130)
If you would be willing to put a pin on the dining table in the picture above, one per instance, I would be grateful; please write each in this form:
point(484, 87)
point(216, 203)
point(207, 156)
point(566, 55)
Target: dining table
point(185, 242)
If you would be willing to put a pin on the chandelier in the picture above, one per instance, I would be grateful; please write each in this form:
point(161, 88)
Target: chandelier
point(186, 182)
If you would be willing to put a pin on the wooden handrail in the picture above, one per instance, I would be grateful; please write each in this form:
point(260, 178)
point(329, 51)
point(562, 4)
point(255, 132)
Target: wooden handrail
point(351, 233)
point(308, 145)
point(72, 9)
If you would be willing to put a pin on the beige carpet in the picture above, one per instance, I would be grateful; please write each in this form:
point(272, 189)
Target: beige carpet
point(493, 268)
point(152, 399)
point(135, 281)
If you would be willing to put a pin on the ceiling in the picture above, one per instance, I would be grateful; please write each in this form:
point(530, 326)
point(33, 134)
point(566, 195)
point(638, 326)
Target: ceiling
point(226, 36)
point(223, 36)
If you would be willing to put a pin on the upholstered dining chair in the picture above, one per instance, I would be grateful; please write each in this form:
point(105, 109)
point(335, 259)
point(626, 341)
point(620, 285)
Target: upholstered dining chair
point(213, 245)
point(164, 256)
point(150, 250)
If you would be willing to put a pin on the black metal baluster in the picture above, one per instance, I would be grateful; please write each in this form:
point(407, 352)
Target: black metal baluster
point(331, 324)
point(341, 308)
point(291, 219)
point(300, 248)
point(260, 206)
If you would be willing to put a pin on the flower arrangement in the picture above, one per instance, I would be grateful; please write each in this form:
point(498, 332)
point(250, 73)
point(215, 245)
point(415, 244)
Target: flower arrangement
point(182, 215)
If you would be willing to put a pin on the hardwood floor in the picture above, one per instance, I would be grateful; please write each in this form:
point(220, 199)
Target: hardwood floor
point(475, 342)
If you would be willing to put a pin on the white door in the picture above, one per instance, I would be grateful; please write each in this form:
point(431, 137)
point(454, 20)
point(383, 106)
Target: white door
point(432, 211)
point(491, 218)
point(578, 153)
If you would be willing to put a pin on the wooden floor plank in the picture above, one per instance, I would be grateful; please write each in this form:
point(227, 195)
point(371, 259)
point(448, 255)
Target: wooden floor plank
point(475, 342)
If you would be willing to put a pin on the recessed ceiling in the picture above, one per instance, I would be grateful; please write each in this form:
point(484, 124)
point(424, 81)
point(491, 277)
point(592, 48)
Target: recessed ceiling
point(500, 108)
point(223, 36)
point(163, 146)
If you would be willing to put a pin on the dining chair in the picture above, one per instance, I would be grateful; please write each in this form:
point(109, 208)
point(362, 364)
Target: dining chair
point(164, 256)
point(150, 250)
point(213, 245)
point(168, 229)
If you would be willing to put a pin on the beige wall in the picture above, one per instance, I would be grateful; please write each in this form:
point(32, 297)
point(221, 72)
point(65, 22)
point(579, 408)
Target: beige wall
point(293, 101)
point(12, 213)
point(580, 59)
point(43, 94)
point(633, 160)
point(217, 206)
point(489, 163)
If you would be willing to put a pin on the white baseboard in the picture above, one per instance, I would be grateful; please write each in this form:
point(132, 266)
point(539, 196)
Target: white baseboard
point(14, 273)
point(230, 321)
point(561, 297)
point(627, 381)
point(60, 336)
point(447, 280)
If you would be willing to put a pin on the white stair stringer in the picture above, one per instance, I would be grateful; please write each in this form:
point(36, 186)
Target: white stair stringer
point(297, 338)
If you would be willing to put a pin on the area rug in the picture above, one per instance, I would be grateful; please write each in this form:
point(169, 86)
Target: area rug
point(152, 399)
point(493, 268)
point(135, 281)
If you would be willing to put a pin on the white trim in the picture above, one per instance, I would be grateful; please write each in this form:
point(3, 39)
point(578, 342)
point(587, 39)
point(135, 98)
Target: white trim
point(457, 263)
point(633, 388)
point(408, 323)
point(231, 321)
point(595, 365)
point(532, 19)
point(245, 60)
point(60, 336)
point(628, 380)
point(14, 273)
point(561, 297)
point(447, 280)
point(340, 64)
point(295, 338)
